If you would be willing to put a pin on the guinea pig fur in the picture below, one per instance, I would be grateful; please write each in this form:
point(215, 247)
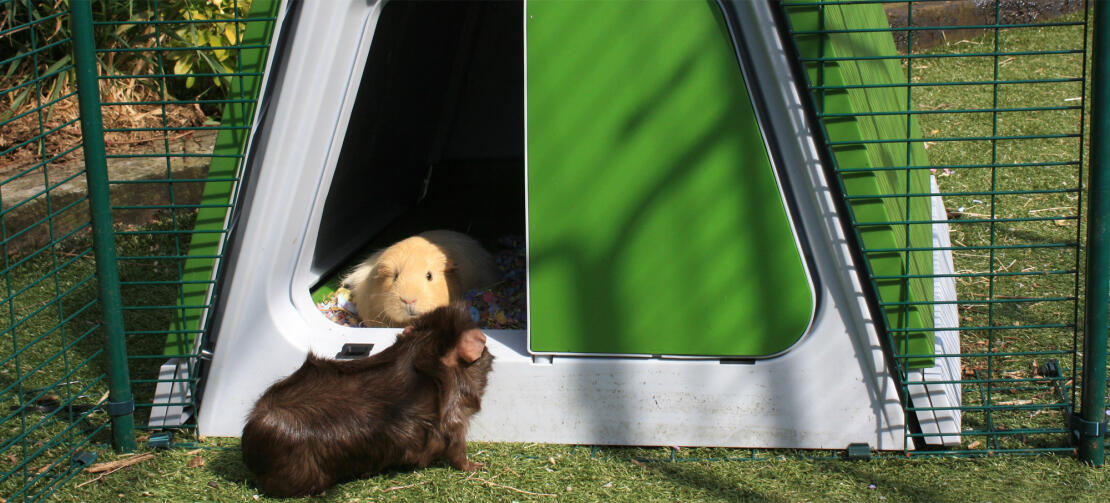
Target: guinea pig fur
point(335, 420)
point(418, 274)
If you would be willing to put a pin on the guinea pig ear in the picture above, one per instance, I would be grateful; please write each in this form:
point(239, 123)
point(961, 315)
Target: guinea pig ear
point(383, 270)
point(471, 344)
point(450, 267)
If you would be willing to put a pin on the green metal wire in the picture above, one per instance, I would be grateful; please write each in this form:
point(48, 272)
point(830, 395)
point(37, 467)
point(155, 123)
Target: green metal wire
point(172, 49)
point(36, 80)
point(939, 112)
point(177, 75)
point(41, 297)
point(977, 275)
point(101, 218)
point(177, 22)
point(965, 221)
point(992, 294)
point(53, 313)
point(959, 166)
point(1093, 404)
point(911, 85)
point(941, 56)
point(907, 204)
point(993, 138)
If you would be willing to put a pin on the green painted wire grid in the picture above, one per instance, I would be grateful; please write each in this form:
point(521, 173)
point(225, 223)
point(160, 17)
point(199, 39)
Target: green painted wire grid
point(194, 192)
point(1002, 115)
point(53, 372)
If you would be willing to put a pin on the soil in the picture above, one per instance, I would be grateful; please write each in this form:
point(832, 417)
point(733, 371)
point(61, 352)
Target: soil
point(968, 13)
point(46, 135)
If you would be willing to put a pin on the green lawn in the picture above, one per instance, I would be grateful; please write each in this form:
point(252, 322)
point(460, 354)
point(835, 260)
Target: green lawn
point(516, 472)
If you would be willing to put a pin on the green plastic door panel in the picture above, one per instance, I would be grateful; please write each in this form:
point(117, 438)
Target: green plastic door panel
point(656, 224)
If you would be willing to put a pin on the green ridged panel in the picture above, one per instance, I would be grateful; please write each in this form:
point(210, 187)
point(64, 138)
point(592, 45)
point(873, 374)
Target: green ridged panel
point(207, 237)
point(876, 155)
point(656, 225)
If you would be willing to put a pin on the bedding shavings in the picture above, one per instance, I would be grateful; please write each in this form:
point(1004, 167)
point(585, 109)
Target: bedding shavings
point(503, 305)
point(338, 308)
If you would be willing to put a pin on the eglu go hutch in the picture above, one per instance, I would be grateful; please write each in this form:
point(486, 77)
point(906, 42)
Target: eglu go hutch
point(689, 278)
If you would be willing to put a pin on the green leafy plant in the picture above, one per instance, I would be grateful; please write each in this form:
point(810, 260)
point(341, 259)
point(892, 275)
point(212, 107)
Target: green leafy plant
point(32, 55)
point(35, 50)
point(213, 41)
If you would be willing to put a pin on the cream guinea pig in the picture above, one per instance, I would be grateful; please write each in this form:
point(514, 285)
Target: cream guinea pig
point(418, 274)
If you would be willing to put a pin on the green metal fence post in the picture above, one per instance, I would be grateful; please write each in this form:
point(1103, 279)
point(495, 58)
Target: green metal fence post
point(1090, 424)
point(121, 403)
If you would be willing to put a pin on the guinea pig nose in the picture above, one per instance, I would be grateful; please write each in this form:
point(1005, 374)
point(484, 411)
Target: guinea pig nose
point(408, 301)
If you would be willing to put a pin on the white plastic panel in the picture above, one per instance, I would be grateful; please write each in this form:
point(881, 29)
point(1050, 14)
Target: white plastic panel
point(939, 420)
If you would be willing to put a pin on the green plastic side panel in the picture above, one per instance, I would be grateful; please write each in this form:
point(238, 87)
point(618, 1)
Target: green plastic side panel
point(656, 225)
point(905, 300)
point(208, 233)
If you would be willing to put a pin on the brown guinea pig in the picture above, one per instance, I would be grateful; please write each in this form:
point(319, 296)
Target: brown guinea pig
point(418, 274)
point(334, 420)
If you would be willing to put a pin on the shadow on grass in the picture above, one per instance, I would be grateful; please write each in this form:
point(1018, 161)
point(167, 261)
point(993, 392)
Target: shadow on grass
point(837, 479)
point(711, 482)
point(227, 464)
point(893, 484)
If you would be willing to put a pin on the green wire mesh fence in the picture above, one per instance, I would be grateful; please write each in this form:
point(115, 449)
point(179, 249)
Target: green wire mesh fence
point(989, 108)
point(181, 142)
point(178, 82)
point(53, 374)
point(986, 116)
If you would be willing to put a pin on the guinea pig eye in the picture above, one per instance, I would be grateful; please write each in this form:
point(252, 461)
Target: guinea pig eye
point(429, 275)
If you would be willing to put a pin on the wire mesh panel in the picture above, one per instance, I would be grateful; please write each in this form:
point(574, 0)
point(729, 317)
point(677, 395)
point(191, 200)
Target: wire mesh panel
point(178, 98)
point(962, 139)
point(53, 375)
point(178, 83)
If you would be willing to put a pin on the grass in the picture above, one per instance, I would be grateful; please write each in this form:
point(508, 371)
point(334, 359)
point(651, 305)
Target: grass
point(49, 394)
point(1024, 410)
point(516, 472)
